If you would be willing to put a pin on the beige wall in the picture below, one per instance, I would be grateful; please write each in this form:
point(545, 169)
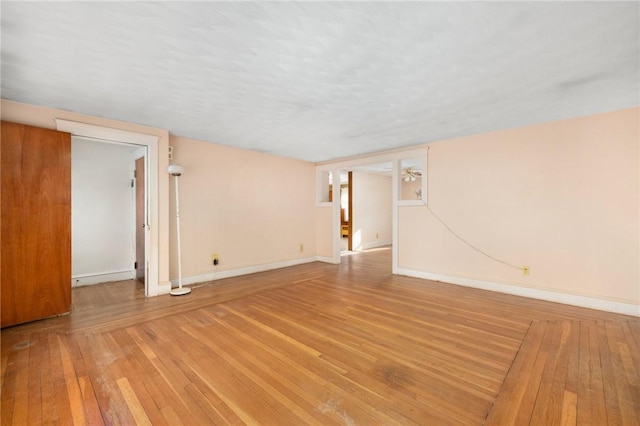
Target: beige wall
point(324, 233)
point(562, 198)
point(250, 208)
point(372, 208)
point(45, 118)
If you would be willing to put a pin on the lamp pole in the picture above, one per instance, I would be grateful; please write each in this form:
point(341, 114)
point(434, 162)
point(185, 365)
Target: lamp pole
point(176, 171)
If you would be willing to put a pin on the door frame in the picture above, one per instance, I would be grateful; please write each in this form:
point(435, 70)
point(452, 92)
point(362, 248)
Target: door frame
point(111, 135)
point(140, 207)
point(350, 216)
point(394, 157)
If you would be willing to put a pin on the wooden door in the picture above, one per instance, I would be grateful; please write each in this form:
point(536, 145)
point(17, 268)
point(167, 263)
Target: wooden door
point(36, 223)
point(140, 219)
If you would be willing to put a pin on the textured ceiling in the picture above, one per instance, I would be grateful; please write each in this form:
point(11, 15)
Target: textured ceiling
point(319, 81)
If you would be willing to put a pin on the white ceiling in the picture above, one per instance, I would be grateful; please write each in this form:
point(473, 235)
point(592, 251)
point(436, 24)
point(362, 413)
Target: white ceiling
point(320, 81)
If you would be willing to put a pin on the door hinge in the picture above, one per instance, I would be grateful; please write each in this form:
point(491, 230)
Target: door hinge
point(135, 265)
point(132, 183)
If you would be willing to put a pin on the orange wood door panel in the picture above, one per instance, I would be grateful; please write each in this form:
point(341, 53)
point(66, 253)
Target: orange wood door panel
point(36, 223)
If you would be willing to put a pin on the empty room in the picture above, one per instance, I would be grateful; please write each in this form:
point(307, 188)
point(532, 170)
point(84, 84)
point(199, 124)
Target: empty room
point(332, 213)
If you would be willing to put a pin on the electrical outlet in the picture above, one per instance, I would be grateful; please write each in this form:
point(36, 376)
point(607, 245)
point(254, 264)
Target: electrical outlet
point(215, 259)
point(526, 270)
point(377, 236)
point(301, 248)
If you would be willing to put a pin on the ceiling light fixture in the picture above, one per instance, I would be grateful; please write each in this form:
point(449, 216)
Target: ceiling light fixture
point(410, 174)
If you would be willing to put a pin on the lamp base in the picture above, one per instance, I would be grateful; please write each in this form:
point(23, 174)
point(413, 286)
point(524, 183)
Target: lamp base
point(180, 291)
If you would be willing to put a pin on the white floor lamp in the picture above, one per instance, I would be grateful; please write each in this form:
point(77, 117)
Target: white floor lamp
point(176, 170)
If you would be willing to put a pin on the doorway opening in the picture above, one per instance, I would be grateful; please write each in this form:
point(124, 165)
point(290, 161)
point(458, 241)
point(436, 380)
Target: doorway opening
point(109, 200)
point(346, 212)
point(366, 204)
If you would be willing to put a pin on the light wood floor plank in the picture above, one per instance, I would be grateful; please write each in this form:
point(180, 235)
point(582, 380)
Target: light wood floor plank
point(609, 379)
point(135, 407)
point(569, 409)
point(620, 376)
point(548, 406)
point(76, 400)
point(57, 395)
point(90, 403)
point(36, 359)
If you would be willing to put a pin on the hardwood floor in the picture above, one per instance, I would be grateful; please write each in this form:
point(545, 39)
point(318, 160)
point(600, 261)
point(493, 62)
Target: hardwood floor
point(573, 372)
point(321, 344)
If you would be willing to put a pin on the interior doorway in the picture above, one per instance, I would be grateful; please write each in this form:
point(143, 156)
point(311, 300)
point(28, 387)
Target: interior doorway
point(346, 212)
point(366, 208)
point(108, 199)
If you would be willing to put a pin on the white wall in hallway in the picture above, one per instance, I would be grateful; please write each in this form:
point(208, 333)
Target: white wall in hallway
point(103, 206)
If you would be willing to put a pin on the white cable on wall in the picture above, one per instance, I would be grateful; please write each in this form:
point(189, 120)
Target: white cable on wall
point(455, 234)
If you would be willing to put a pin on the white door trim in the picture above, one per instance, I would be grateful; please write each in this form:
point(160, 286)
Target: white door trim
point(107, 134)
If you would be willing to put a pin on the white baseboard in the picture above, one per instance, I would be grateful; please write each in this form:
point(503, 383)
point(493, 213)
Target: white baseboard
point(327, 260)
point(369, 246)
point(551, 296)
point(242, 271)
point(102, 277)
